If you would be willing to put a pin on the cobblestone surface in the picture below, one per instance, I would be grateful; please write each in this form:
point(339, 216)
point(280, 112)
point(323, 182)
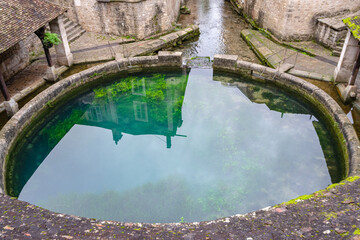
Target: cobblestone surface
point(333, 213)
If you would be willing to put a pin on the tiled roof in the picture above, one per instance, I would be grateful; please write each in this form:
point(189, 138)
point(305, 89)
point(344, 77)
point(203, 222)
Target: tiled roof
point(20, 18)
point(354, 24)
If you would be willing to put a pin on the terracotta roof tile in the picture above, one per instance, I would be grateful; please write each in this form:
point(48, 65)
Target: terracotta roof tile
point(20, 18)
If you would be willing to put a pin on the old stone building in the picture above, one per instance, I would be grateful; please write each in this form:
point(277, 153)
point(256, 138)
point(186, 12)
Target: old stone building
point(19, 21)
point(294, 19)
point(135, 18)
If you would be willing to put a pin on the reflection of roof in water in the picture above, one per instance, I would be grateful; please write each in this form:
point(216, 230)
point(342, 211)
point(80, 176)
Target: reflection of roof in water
point(275, 101)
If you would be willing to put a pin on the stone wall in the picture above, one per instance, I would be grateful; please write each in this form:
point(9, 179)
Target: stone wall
point(19, 56)
point(137, 18)
point(293, 19)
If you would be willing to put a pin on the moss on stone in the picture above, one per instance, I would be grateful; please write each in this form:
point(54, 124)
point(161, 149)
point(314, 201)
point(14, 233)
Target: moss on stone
point(319, 193)
point(357, 231)
point(330, 215)
point(354, 24)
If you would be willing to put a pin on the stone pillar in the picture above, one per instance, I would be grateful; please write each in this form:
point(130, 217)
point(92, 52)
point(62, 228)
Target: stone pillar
point(347, 59)
point(63, 53)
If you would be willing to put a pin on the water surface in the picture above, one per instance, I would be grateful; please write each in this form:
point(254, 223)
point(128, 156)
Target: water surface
point(170, 147)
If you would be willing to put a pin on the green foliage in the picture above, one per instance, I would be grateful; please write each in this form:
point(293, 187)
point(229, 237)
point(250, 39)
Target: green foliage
point(51, 38)
point(58, 131)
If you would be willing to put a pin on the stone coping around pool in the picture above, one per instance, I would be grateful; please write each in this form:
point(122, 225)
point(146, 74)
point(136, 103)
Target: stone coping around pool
point(330, 213)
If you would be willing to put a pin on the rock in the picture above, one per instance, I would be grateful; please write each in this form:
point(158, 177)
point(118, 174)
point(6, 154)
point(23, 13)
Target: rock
point(306, 229)
point(8, 228)
point(326, 232)
point(340, 231)
point(185, 10)
point(348, 201)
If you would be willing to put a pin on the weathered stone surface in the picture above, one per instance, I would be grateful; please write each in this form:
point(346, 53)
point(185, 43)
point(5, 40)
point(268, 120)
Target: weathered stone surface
point(325, 215)
point(290, 20)
point(225, 61)
point(139, 19)
point(11, 107)
point(172, 58)
point(145, 60)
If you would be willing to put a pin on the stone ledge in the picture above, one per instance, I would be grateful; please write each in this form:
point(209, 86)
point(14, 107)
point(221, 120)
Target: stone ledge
point(172, 58)
point(228, 61)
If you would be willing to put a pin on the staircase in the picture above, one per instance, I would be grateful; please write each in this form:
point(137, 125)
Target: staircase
point(339, 45)
point(331, 32)
point(73, 30)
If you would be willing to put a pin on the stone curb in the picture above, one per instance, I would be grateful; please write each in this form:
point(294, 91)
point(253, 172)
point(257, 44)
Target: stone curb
point(231, 63)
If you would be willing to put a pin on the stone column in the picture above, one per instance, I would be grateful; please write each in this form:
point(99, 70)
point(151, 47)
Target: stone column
point(63, 53)
point(347, 59)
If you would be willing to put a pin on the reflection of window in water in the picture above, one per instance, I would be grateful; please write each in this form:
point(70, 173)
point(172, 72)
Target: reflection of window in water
point(140, 111)
point(94, 114)
point(138, 87)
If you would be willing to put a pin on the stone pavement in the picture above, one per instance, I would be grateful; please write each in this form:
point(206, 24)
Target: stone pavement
point(320, 68)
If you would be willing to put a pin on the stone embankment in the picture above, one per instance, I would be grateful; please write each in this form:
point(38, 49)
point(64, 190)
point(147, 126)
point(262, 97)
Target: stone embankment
point(275, 55)
point(331, 213)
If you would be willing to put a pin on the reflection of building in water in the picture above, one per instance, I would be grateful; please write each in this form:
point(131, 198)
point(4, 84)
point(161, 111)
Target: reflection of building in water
point(277, 101)
point(148, 106)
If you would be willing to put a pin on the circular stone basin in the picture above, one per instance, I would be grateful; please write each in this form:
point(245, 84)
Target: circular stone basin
point(176, 146)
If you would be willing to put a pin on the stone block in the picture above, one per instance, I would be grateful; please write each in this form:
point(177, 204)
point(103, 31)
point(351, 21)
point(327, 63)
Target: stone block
point(11, 107)
point(144, 60)
point(243, 65)
point(342, 120)
point(169, 37)
point(321, 96)
point(51, 75)
point(308, 87)
point(349, 132)
point(225, 61)
point(170, 58)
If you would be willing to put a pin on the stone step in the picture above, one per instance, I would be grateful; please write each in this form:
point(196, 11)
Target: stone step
point(338, 48)
point(73, 30)
point(76, 35)
point(336, 53)
point(67, 23)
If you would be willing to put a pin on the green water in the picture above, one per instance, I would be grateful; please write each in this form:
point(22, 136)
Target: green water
point(167, 147)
